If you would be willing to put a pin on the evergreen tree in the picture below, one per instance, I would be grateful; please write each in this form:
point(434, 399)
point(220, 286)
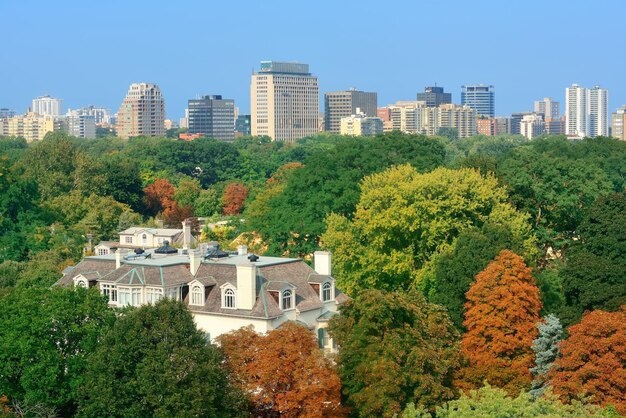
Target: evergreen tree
point(546, 348)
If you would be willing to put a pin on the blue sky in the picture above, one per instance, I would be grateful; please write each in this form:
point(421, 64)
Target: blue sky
point(88, 52)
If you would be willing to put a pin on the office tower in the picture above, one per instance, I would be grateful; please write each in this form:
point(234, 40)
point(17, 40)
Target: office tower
point(212, 117)
point(361, 125)
point(284, 101)
point(532, 125)
point(586, 111)
point(461, 118)
point(479, 97)
point(342, 104)
point(434, 96)
point(80, 124)
point(242, 125)
point(142, 112)
point(618, 125)
point(548, 108)
point(46, 106)
point(31, 127)
point(6, 113)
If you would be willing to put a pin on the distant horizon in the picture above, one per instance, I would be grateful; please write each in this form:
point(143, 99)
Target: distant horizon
point(88, 55)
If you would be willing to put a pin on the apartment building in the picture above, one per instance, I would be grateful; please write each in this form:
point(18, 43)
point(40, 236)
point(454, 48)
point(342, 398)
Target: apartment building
point(142, 112)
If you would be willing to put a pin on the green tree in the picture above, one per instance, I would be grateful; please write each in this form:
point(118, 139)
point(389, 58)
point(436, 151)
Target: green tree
point(208, 203)
point(46, 337)
point(187, 192)
point(404, 217)
point(396, 348)
point(594, 276)
point(546, 348)
point(154, 362)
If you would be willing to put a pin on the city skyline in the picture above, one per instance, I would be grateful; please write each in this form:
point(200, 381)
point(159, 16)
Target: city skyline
point(341, 59)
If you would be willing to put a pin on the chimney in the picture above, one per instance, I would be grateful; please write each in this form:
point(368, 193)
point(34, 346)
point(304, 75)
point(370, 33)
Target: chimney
point(322, 261)
point(119, 255)
point(242, 249)
point(186, 234)
point(194, 262)
point(246, 286)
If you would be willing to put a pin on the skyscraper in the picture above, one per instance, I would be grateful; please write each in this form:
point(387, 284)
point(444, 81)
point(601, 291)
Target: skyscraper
point(479, 97)
point(434, 96)
point(142, 112)
point(284, 101)
point(548, 108)
point(586, 111)
point(213, 117)
point(343, 104)
point(46, 106)
point(80, 124)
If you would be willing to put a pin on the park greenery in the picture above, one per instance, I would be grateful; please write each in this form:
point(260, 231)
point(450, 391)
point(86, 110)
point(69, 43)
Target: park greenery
point(486, 276)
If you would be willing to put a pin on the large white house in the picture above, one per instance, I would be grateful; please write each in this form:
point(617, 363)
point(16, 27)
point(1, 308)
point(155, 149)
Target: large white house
point(224, 291)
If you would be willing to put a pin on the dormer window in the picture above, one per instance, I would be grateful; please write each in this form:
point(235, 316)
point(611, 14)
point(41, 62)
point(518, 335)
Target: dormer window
point(327, 292)
point(82, 283)
point(129, 240)
point(229, 300)
point(144, 239)
point(286, 299)
point(197, 295)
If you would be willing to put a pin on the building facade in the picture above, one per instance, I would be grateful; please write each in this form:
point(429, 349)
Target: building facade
point(101, 116)
point(343, 104)
point(548, 108)
point(31, 127)
point(284, 101)
point(142, 112)
point(406, 116)
point(213, 117)
point(586, 111)
point(461, 118)
point(361, 125)
point(434, 96)
point(46, 106)
point(618, 124)
point(81, 125)
point(6, 113)
point(532, 126)
point(242, 125)
point(480, 97)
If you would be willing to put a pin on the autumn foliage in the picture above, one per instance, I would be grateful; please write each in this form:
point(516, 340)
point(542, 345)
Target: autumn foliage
point(234, 197)
point(159, 198)
point(501, 315)
point(284, 373)
point(593, 360)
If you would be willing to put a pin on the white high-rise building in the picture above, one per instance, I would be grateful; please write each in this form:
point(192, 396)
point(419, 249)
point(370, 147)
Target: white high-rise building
point(548, 108)
point(284, 101)
point(586, 111)
point(46, 106)
point(532, 126)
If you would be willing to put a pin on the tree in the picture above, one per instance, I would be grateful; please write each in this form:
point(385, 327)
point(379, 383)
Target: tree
point(234, 198)
point(284, 373)
point(46, 337)
point(546, 348)
point(208, 203)
point(187, 192)
point(155, 362)
point(501, 314)
point(594, 276)
point(404, 217)
point(493, 402)
point(158, 196)
point(396, 348)
point(592, 365)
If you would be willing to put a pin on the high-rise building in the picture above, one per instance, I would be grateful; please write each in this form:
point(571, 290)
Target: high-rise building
point(434, 96)
point(102, 116)
point(618, 125)
point(479, 97)
point(6, 113)
point(502, 125)
point(81, 124)
point(142, 112)
point(46, 106)
point(548, 108)
point(461, 118)
point(361, 125)
point(284, 101)
point(586, 111)
point(486, 126)
point(516, 119)
point(406, 116)
point(242, 125)
point(532, 125)
point(213, 117)
point(555, 126)
point(31, 127)
point(342, 104)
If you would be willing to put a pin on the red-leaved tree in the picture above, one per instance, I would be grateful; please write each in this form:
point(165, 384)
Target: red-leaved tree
point(593, 361)
point(159, 199)
point(234, 197)
point(501, 314)
point(283, 373)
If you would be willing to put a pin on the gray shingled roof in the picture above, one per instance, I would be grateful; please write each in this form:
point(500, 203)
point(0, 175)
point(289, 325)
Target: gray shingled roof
point(130, 274)
point(87, 265)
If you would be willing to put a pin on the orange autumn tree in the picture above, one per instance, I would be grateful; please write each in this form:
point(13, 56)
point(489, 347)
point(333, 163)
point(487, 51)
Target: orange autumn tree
point(234, 197)
point(593, 361)
point(283, 373)
point(501, 315)
point(159, 198)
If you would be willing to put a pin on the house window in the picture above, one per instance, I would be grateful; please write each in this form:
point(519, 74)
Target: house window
point(229, 299)
point(135, 296)
point(327, 292)
point(153, 294)
point(197, 295)
point(124, 296)
point(322, 338)
point(110, 291)
point(103, 251)
point(81, 283)
point(144, 239)
point(286, 299)
point(129, 240)
point(173, 293)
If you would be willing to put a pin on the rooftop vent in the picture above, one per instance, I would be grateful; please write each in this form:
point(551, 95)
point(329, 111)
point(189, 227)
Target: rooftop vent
point(166, 249)
point(139, 251)
point(253, 258)
point(213, 251)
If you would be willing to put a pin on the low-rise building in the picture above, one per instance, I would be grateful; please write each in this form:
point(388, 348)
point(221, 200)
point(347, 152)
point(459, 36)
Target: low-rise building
point(361, 125)
point(145, 238)
point(31, 127)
